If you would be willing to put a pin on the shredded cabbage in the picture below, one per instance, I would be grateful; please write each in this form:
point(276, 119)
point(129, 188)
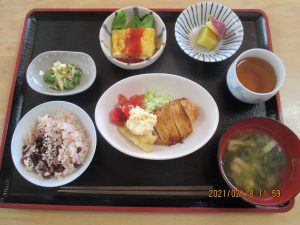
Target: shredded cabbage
point(153, 99)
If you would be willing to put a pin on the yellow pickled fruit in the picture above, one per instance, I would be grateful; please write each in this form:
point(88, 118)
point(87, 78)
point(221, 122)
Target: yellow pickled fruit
point(207, 38)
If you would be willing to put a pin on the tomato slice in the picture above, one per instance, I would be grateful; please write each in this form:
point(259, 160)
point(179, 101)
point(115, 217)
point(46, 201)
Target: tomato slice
point(126, 108)
point(141, 102)
point(122, 99)
point(117, 116)
point(137, 100)
point(120, 114)
point(132, 99)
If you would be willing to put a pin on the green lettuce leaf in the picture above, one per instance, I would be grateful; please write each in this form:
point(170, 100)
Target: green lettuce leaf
point(147, 21)
point(153, 99)
point(119, 21)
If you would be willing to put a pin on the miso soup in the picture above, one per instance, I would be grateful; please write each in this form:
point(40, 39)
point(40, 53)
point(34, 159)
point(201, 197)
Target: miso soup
point(254, 161)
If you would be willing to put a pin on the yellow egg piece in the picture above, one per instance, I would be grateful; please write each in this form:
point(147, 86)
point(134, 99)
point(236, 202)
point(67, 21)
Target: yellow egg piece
point(207, 38)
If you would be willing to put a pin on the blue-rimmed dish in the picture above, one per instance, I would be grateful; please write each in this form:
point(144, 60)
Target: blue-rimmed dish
point(194, 17)
point(105, 37)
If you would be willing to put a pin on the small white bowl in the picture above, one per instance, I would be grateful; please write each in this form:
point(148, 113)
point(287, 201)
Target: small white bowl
point(194, 17)
point(36, 69)
point(176, 87)
point(27, 123)
point(242, 93)
point(105, 37)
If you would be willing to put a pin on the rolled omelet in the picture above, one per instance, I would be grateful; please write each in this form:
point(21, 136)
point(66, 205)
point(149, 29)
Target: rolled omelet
point(133, 42)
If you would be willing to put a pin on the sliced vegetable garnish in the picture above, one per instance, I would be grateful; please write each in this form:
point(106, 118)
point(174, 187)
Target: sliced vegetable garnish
point(119, 22)
point(135, 22)
point(117, 116)
point(120, 113)
point(147, 21)
point(122, 100)
point(153, 99)
point(126, 108)
point(137, 100)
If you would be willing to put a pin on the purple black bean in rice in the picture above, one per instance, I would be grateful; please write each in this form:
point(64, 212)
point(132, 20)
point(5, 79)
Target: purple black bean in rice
point(56, 147)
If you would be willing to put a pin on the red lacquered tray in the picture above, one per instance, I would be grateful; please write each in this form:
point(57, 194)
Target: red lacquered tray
point(43, 29)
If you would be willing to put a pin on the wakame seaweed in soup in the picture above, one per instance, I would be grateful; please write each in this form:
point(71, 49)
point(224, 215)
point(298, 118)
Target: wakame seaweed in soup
point(254, 161)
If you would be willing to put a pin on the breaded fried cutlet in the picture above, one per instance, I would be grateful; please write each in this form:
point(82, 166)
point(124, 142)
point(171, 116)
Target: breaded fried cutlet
point(166, 127)
point(181, 119)
point(174, 121)
point(191, 109)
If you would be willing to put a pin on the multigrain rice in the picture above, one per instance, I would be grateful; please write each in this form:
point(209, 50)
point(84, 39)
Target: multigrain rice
point(56, 146)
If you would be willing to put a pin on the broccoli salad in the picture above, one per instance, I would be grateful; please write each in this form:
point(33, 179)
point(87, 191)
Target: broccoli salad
point(62, 76)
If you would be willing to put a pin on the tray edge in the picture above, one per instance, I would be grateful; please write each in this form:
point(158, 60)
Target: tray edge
point(148, 209)
point(286, 208)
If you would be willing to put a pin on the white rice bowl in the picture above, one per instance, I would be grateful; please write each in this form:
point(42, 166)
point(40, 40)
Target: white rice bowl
point(53, 143)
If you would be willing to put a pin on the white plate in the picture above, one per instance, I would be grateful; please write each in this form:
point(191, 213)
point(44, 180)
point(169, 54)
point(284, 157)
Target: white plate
point(176, 87)
point(42, 62)
point(27, 123)
point(194, 17)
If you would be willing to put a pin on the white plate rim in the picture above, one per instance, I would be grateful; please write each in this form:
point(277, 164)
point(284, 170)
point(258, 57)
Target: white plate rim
point(148, 156)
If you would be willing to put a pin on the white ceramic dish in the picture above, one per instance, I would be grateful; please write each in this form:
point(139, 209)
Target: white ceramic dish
point(105, 37)
point(176, 87)
point(42, 62)
point(242, 93)
point(27, 123)
point(194, 17)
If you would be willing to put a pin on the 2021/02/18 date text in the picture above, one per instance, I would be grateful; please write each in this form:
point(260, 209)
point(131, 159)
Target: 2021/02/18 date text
point(223, 193)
